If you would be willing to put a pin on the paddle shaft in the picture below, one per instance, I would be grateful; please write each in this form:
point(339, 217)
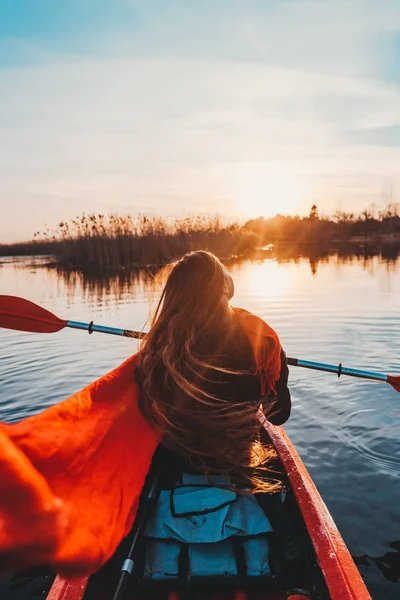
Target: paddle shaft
point(92, 328)
point(138, 529)
point(295, 362)
point(339, 369)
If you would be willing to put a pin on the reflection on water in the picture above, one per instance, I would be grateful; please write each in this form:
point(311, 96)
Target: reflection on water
point(388, 564)
point(345, 254)
point(137, 282)
point(140, 280)
point(330, 307)
point(113, 288)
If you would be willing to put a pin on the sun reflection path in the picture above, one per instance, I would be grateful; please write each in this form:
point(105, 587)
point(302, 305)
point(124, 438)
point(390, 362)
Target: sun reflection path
point(268, 280)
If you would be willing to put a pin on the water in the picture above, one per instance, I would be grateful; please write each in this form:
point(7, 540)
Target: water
point(339, 310)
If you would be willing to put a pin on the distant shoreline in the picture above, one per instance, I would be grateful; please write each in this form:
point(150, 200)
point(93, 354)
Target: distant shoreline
point(280, 251)
point(95, 243)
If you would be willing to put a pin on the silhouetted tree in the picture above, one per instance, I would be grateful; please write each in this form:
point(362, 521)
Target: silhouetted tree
point(314, 215)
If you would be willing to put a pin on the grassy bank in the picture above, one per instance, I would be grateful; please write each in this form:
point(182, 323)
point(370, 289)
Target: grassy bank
point(99, 243)
point(95, 243)
point(343, 227)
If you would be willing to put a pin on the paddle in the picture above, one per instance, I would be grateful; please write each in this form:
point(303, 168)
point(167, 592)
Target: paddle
point(23, 315)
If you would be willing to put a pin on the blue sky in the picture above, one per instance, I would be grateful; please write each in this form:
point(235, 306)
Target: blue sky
point(233, 107)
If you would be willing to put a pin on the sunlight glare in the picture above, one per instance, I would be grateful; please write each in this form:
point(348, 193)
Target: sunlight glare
point(268, 280)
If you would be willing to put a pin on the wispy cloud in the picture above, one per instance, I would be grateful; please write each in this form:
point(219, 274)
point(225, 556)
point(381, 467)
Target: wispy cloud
point(196, 106)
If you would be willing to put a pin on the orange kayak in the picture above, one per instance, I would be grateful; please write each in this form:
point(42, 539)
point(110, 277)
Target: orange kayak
point(300, 556)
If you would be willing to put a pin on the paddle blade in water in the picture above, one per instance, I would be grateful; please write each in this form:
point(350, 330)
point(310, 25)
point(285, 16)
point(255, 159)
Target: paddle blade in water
point(23, 315)
point(394, 381)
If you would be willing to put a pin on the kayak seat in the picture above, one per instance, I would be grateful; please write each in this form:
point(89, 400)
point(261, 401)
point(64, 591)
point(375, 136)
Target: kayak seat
point(200, 531)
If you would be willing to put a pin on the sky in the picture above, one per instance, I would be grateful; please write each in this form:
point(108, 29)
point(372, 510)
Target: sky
point(239, 108)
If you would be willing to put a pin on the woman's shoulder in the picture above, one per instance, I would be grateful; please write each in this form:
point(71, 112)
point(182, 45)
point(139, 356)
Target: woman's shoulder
point(253, 323)
point(266, 347)
point(240, 312)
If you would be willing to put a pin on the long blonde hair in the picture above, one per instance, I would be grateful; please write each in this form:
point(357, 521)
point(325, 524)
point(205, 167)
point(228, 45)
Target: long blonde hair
point(179, 359)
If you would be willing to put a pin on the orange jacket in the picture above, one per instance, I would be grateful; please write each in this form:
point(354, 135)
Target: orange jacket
point(71, 477)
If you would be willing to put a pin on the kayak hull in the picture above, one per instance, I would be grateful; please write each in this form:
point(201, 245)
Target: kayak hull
point(340, 572)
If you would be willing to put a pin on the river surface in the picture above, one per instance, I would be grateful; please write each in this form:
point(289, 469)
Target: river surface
point(338, 310)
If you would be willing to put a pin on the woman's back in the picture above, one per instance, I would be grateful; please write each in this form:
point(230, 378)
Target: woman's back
point(199, 377)
point(231, 351)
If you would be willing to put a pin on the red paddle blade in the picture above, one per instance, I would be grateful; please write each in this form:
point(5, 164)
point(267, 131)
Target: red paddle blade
point(394, 381)
point(23, 315)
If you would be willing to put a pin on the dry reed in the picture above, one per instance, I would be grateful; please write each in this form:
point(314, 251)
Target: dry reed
point(96, 243)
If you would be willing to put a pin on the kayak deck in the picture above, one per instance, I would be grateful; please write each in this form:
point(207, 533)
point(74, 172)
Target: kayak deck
point(307, 557)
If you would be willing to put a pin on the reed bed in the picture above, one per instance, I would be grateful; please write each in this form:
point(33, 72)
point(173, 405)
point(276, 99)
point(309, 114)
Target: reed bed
point(97, 243)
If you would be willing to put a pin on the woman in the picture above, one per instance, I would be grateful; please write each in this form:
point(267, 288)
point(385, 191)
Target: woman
point(205, 368)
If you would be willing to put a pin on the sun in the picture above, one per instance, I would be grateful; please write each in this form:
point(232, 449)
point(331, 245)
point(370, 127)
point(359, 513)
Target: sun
point(264, 190)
